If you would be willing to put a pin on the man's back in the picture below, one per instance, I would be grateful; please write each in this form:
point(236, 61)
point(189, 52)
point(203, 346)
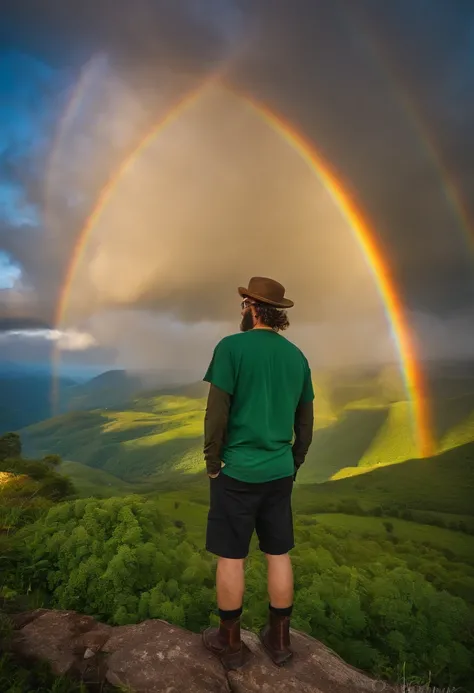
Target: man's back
point(261, 392)
point(267, 377)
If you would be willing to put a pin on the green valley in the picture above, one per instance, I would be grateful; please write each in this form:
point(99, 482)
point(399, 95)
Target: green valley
point(370, 587)
point(385, 541)
point(157, 435)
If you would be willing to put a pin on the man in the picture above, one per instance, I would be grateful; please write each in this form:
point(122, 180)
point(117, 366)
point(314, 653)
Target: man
point(258, 429)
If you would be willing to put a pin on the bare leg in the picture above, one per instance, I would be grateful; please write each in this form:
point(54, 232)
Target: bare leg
point(275, 636)
point(225, 641)
point(230, 583)
point(280, 581)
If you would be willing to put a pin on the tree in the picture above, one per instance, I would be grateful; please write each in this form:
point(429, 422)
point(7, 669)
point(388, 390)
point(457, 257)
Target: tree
point(57, 487)
point(378, 605)
point(53, 460)
point(10, 446)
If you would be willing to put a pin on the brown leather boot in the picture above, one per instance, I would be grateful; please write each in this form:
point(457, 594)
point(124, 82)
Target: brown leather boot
point(226, 644)
point(275, 637)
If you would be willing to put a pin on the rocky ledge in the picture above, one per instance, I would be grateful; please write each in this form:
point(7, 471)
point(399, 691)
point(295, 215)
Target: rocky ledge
point(156, 657)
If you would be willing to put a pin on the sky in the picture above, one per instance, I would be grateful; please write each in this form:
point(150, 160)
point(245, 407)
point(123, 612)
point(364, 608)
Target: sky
point(383, 91)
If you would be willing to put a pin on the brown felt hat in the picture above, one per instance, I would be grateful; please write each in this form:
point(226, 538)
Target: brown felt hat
point(266, 291)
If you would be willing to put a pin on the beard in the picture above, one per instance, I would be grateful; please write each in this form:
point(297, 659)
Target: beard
point(246, 323)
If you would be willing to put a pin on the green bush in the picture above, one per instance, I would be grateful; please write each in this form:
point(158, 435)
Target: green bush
point(397, 608)
point(118, 560)
point(350, 506)
point(10, 446)
point(121, 561)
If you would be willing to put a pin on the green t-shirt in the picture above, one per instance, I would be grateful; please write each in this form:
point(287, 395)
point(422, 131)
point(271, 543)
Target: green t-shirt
point(267, 377)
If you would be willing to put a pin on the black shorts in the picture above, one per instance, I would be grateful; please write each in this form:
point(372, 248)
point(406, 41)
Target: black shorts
point(237, 508)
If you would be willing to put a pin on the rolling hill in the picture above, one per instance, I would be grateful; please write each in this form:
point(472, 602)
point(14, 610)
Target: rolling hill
point(149, 438)
point(158, 434)
point(114, 388)
point(443, 484)
point(26, 391)
point(363, 505)
point(96, 483)
point(417, 493)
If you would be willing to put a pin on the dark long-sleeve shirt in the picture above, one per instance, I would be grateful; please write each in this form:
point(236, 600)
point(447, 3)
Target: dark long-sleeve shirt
point(303, 426)
point(215, 427)
point(216, 421)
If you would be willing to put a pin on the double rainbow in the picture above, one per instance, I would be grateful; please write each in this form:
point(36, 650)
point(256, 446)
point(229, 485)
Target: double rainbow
point(377, 264)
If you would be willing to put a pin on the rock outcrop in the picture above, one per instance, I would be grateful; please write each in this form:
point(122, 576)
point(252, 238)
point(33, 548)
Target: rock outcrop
point(156, 657)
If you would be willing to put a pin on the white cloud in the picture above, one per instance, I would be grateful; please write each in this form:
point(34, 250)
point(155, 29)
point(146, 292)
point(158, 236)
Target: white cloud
point(9, 272)
point(68, 340)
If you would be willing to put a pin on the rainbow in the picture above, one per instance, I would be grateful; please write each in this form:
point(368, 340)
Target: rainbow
point(457, 204)
point(107, 192)
point(413, 376)
point(86, 77)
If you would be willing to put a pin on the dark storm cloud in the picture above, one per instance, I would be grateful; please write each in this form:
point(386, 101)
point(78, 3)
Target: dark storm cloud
point(426, 49)
point(159, 50)
point(186, 36)
point(349, 75)
point(16, 323)
point(352, 75)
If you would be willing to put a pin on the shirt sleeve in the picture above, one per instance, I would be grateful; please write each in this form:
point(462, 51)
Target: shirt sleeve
point(307, 394)
point(304, 422)
point(221, 372)
point(215, 428)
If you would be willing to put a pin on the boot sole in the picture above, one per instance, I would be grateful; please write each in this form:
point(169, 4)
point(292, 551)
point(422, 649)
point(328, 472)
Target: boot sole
point(232, 661)
point(281, 661)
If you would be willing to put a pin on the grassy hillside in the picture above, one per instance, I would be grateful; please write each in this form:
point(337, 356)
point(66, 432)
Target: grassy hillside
point(90, 482)
point(434, 491)
point(108, 389)
point(444, 540)
point(373, 574)
point(150, 438)
point(461, 433)
point(342, 444)
point(158, 434)
point(315, 504)
point(115, 388)
point(443, 484)
point(368, 435)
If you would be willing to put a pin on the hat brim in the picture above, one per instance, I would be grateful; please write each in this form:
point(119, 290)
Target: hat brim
point(285, 303)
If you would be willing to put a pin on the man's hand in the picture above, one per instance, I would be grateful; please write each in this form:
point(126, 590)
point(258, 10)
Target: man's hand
point(214, 476)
